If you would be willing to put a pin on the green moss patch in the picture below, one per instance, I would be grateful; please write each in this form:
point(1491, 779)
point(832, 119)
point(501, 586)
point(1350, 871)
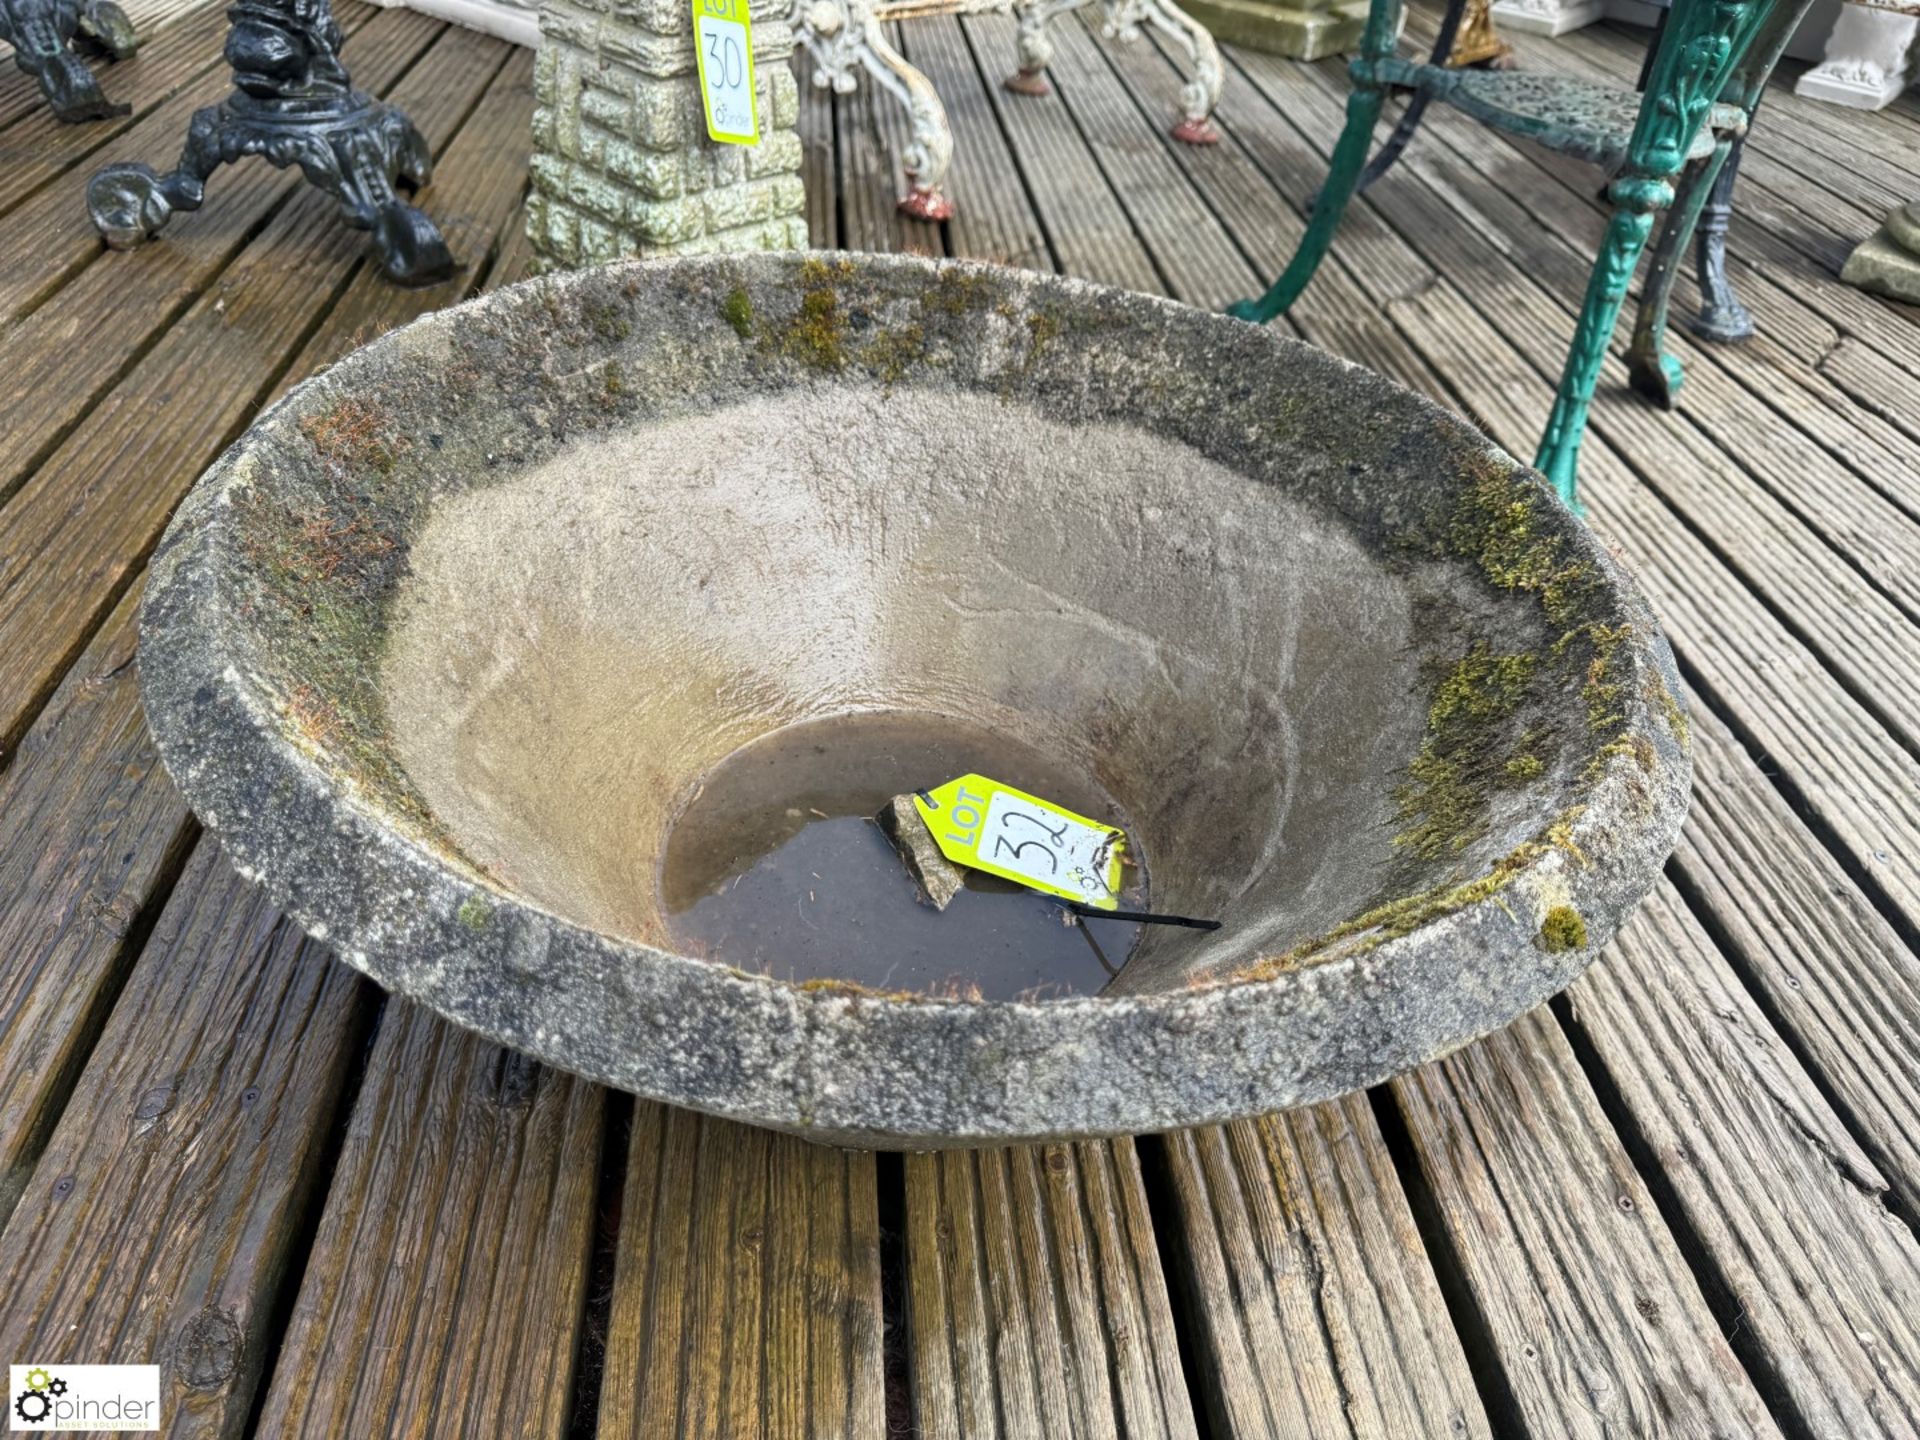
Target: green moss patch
point(1408, 913)
point(1563, 929)
point(737, 311)
point(1466, 755)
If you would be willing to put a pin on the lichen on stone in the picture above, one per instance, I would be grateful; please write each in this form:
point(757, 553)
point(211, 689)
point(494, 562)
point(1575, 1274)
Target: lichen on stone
point(1499, 525)
point(816, 334)
point(954, 292)
point(352, 434)
point(474, 913)
point(894, 352)
point(1668, 707)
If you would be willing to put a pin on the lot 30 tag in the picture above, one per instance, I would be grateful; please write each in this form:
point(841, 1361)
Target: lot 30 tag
point(723, 42)
point(988, 826)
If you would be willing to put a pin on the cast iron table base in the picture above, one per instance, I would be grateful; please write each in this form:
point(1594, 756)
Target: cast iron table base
point(45, 34)
point(293, 104)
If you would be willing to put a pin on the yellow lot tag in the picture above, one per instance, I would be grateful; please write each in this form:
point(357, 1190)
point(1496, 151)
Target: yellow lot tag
point(723, 41)
point(1006, 832)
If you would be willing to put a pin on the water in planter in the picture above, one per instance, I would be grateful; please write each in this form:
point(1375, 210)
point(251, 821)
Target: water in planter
point(776, 866)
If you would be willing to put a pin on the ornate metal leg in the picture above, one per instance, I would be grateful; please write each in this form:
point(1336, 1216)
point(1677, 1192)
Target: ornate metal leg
point(1036, 46)
point(930, 146)
point(1653, 372)
point(1349, 156)
point(1635, 203)
point(294, 104)
point(1389, 153)
point(1363, 110)
point(1201, 94)
point(1722, 317)
point(43, 34)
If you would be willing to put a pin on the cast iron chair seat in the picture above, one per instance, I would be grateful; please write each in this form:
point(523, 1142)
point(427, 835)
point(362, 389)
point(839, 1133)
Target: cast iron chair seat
point(1582, 118)
point(1664, 151)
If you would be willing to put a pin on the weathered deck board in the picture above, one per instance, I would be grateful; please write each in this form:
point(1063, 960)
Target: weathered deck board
point(91, 836)
point(20, 93)
point(1786, 314)
point(38, 147)
point(1582, 1297)
point(479, 182)
point(164, 1210)
point(818, 167)
point(91, 833)
point(1864, 785)
point(1787, 1208)
point(48, 244)
point(1036, 1301)
point(1316, 1310)
point(746, 1296)
point(1814, 449)
point(93, 509)
point(1833, 975)
point(993, 220)
point(1086, 227)
point(869, 132)
point(442, 1294)
point(1197, 261)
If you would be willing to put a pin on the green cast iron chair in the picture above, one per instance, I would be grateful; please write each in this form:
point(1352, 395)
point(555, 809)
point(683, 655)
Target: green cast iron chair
point(1663, 149)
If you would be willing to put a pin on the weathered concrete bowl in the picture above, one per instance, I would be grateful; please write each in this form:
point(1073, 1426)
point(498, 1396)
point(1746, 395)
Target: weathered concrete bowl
point(438, 646)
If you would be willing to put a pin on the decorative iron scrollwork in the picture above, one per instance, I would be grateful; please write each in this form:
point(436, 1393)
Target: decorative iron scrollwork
point(45, 35)
point(293, 104)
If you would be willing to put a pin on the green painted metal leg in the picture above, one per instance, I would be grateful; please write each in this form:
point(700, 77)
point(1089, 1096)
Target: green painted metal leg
point(1653, 372)
point(1635, 202)
point(1349, 159)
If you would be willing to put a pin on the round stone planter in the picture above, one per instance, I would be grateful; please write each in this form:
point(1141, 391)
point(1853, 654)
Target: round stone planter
point(439, 646)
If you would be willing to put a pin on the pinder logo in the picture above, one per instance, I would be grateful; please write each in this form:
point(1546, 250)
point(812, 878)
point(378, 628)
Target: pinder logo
point(84, 1397)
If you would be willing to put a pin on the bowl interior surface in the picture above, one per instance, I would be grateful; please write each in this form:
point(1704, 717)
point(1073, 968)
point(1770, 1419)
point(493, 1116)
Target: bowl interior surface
point(576, 646)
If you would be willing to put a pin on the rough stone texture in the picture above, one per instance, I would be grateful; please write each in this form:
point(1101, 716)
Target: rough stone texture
point(1373, 697)
point(1888, 261)
point(939, 878)
point(622, 164)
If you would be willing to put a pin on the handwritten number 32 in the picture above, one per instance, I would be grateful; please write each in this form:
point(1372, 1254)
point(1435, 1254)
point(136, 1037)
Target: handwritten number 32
point(1057, 837)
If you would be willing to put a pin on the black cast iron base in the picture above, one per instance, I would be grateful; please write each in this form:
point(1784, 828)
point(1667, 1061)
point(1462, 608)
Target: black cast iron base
point(350, 145)
point(46, 33)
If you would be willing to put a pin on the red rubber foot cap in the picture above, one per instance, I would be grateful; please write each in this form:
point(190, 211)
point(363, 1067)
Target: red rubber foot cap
point(1197, 132)
point(1028, 82)
point(927, 205)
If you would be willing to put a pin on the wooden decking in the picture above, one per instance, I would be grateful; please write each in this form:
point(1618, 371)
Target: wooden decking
point(1679, 1202)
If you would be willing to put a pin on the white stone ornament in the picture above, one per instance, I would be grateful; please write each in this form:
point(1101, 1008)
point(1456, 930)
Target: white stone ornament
point(1864, 65)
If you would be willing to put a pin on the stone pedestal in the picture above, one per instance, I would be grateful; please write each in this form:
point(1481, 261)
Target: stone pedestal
point(622, 165)
point(1547, 17)
point(1311, 30)
point(1865, 62)
point(1889, 262)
